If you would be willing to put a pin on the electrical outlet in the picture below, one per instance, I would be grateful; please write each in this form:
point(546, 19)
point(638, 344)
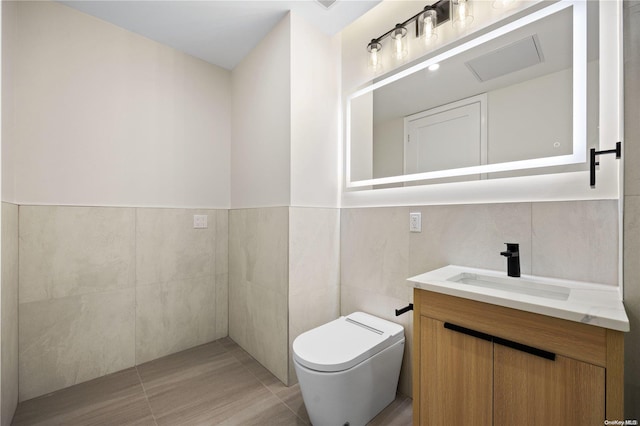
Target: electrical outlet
point(200, 221)
point(415, 222)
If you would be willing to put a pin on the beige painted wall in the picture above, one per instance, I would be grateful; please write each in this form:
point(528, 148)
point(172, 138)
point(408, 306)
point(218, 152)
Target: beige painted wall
point(315, 113)
point(9, 48)
point(107, 117)
point(261, 123)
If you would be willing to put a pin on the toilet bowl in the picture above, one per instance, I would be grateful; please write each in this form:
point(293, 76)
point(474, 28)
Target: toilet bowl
point(348, 369)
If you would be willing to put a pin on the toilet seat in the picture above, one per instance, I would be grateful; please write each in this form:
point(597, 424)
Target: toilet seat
point(345, 342)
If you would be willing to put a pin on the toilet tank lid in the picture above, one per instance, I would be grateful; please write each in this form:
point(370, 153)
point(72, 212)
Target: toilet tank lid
point(345, 342)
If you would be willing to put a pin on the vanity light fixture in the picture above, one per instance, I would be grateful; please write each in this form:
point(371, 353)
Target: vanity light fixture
point(426, 22)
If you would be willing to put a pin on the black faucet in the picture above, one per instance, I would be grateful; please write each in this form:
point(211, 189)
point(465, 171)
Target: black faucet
point(513, 259)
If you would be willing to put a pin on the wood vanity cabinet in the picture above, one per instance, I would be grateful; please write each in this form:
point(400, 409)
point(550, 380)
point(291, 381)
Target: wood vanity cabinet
point(482, 364)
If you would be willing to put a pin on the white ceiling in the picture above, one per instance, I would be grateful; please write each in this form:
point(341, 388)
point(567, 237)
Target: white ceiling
point(221, 32)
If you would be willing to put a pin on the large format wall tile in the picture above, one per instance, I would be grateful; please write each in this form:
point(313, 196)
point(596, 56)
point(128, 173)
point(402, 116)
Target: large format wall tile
point(631, 143)
point(73, 339)
point(632, 305)
point(470, 235)
point(258, 247)
point(374, 265)
point(576, 240)
point(73, 257)
point(9, 321)
point(374, 250)
point(168, 248)
point(67, 251)
point(173, 316)
point(175, 281)
point(258, 285)
point(314, 271)
point(222, 274)
point(258, 323)
point(314, 249)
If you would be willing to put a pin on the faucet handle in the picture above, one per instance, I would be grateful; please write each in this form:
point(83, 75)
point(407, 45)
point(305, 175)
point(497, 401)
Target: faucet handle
point(513, 250)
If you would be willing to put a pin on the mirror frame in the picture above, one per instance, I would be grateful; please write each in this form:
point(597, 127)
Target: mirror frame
point(579, 101)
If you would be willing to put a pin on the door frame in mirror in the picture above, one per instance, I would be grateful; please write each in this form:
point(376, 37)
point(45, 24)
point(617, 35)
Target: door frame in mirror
point(579, 43)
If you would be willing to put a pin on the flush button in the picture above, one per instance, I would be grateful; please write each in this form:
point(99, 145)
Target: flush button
point(200, 221)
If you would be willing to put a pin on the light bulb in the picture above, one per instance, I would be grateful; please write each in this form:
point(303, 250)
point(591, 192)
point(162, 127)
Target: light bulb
point(462, 12)
point(374, 47)
point(399, 47)
point(429, 22)
point(374, 60)
point(503, 4)
point(399, 42)
point(428, 28)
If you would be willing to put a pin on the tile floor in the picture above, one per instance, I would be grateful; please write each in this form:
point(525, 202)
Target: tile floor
point(213, 384)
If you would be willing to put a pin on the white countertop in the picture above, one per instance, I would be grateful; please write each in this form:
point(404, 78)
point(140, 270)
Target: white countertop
point(595, 304)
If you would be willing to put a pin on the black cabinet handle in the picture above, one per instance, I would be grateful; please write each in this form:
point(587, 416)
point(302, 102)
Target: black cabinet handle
point(500, 341)
point(524, 348)
point(468, 331)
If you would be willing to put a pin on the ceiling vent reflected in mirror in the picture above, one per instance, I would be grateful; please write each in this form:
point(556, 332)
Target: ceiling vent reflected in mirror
point(326, 3)
point(513, 57)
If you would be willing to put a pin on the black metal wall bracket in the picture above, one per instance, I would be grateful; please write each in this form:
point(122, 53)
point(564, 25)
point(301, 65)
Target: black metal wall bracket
point(407, 308)
point(593, 163)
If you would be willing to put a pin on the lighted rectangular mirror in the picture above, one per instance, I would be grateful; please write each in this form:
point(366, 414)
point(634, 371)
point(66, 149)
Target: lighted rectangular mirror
point(522, 97)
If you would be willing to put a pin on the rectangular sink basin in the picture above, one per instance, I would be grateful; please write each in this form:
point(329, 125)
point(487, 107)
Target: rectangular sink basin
point(514, 285)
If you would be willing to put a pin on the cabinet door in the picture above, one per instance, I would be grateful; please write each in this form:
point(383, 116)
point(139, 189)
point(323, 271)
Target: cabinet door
point(530, 390)
point(456, 377)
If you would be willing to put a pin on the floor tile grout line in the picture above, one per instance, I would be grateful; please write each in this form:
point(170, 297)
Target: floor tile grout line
point(262, 383)
point(146, 397)
point(286, 405)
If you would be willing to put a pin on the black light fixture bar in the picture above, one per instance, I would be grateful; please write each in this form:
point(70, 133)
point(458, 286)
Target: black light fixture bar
point(442, 8)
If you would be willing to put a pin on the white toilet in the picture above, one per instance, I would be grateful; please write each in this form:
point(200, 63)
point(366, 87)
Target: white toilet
point(348, 369)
